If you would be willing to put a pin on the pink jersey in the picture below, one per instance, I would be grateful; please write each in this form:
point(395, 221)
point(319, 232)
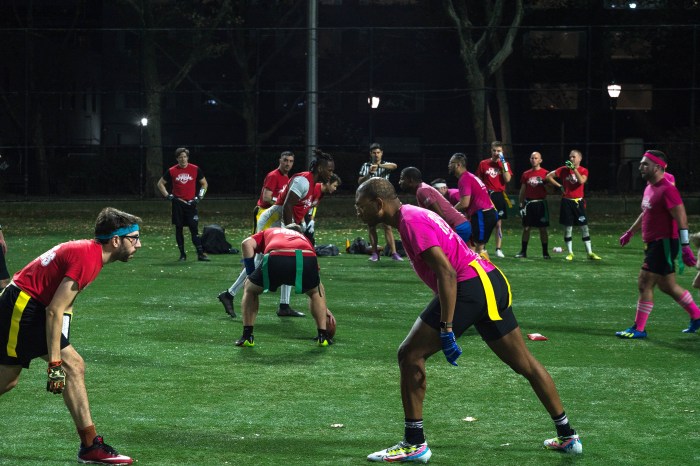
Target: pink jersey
point(658, 200)
point(280, 238)
point(79, 260)
point(426, 196)
point(470, 185)
point(453, 196)
point(534, 183)
point(275, 181)
point(671, 179)
point(184, 180)
point(422, 229)
point(491, 173)
point(572, 188)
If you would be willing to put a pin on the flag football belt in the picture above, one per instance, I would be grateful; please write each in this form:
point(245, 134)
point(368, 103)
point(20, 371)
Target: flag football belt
point(299, 256)
point(575, 199)
point(667, 254)
point(505, 197)
point(491, 305)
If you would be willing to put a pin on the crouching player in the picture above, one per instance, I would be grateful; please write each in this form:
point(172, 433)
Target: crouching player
point(289, 259)
point(35, 315)
point(468, 291)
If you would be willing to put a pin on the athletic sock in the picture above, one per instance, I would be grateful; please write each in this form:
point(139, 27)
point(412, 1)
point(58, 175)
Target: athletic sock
point(569, 245)
point(561, 422)
point(413, 431)
point(545, 249)
point(247, 331)
point(643, 310)
point(587, 243)
point(687, 303)
point(523, 247)
point(87, 435)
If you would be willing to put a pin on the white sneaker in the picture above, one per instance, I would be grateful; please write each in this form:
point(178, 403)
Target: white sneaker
point(499, 253)
point(403, 452)
point(570, 444)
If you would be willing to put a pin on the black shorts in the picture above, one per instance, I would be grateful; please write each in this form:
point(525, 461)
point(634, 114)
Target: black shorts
point(19, 344)
point(483, 222)
point(572, 212)
point(499, 202)
point(470, 309)
point(660, 256)
point(185, 214)
point(282, 270)
point(536, 213)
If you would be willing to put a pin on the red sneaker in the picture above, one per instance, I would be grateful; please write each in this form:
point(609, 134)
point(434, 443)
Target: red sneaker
point(101, 453)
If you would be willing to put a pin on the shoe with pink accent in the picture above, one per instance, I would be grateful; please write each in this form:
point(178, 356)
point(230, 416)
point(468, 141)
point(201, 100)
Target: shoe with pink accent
point(101, 453)
point(396, 257)
point(403, 452)
point(568, 444)
point(374, 257)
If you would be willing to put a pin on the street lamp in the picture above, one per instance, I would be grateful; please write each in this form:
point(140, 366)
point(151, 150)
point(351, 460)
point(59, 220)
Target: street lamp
point(614, 92)
point(373, 101)
point(143, 122)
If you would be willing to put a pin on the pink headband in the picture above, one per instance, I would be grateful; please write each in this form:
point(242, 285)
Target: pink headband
point(656, 160)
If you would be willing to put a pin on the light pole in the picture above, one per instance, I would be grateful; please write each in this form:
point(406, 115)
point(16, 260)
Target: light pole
point(614, 93)
point(143, 122)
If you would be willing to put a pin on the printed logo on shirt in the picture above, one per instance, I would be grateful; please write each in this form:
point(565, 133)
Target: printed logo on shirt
point(535, 181)
point(572, 178)
point(492, 172)
point(183, 178)
point(48, 256)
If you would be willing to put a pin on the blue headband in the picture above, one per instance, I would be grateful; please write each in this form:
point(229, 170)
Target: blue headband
point(123, 231)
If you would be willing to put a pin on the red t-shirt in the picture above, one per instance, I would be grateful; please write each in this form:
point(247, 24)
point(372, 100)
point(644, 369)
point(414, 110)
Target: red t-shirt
point(79, 260)
point(307, 201)
point(534, 183)
point(572, 188)
point(275, 181)
point(280, 238)
point(658, 200)
point(184, 180)
point(491, 173)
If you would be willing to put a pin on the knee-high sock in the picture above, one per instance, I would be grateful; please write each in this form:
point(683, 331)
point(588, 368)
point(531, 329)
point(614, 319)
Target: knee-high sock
point(238, 284)
point(586, 238)
point(687, 303)
point(285, 294)
point(643, 310)
point(567, 239)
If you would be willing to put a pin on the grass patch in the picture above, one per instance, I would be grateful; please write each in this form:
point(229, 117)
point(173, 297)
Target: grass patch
point(167, 386)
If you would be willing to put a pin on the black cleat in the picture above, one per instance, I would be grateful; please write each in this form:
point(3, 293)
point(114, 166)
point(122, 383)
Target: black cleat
point(226, 299)
point(289, 312)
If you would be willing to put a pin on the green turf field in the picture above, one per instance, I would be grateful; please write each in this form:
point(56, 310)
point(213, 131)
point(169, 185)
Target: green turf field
point(168, 387)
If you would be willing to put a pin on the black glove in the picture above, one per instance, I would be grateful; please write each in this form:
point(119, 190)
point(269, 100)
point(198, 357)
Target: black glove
point(169, 197)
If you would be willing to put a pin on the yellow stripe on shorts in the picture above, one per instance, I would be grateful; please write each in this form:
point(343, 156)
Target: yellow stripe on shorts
point(491, 305)
point(21, 302)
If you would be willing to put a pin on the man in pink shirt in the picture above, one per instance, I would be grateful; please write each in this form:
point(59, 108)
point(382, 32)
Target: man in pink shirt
point(451, 194)
point(430, 198)
point(36, 310)
point(664, 225)
point(474, 202)
point(468, 291)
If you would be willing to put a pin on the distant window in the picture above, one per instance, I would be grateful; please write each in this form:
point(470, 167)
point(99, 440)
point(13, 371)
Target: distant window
point(629, 45)
point(554, 96)
point(635, 97)
point(554, 44)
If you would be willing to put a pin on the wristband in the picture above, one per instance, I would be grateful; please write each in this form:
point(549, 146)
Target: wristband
point(684, 237)
point(55, 363)
point(249, 263)
point(445, 325)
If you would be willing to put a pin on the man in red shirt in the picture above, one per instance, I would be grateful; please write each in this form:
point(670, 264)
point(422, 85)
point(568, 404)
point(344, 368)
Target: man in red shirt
point(533, 205)
point(274, 184)
point(35, 316)
point(664, 225)
point(184, 178)
point(289, 259)
point(572, 211)
point(496, 174)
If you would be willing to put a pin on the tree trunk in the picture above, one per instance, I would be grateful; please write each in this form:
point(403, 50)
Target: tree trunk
point(152, 132)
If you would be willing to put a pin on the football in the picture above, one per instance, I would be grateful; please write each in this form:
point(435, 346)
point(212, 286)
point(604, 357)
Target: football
point(330, 323)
